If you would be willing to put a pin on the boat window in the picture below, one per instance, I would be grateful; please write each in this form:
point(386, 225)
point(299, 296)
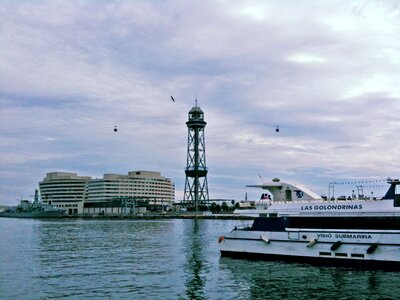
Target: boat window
point(288, 195)
point(397, 200)
point(357, 255)
point(341, 254)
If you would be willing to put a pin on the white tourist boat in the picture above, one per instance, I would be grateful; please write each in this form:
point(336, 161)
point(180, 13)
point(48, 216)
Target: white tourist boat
point(294, 224)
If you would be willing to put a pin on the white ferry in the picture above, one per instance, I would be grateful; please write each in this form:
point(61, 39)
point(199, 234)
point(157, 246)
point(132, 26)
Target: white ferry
point(294, 224)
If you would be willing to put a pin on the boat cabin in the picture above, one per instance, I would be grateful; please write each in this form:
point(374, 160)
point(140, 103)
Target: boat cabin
point(279, 191)
point(392, 193)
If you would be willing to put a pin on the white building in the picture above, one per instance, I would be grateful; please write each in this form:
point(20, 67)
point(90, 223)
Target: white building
point(147, 186)
point(81, 194)
point(64, 190)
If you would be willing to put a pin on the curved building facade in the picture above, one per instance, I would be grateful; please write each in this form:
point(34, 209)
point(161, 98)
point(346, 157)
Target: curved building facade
point(64, 190)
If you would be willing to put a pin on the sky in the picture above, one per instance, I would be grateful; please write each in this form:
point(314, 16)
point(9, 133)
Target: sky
point(326, 72)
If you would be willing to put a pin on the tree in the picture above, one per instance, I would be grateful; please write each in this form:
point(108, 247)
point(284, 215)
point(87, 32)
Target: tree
point(215, 207)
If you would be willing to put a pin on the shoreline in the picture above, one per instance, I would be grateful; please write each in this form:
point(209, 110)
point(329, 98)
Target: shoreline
point(147, 217)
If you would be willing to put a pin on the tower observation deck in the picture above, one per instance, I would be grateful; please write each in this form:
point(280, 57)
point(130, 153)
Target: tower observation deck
point(196, 186)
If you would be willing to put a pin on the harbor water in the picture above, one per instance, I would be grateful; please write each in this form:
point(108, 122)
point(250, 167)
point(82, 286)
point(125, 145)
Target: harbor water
point(160, 259)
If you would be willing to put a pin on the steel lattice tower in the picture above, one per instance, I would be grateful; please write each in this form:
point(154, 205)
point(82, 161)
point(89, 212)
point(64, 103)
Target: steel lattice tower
point(196, 186)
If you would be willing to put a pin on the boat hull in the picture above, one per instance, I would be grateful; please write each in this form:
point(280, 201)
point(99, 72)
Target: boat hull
point(317, 261)
point(46, 214)
point(376, 249)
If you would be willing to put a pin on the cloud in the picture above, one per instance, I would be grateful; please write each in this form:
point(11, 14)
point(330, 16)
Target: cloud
point(326, 73)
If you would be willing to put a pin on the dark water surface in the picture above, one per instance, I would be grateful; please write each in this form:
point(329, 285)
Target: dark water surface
point(160, 259)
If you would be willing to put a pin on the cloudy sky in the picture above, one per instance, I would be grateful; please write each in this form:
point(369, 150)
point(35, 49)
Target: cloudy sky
point(326, 72)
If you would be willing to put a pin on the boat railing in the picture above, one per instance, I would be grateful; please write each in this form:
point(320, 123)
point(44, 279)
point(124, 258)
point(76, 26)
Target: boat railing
point(361, 198)
point(333, 200)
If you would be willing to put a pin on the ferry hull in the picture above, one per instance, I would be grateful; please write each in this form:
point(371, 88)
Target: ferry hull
point(326, 247)
point(317, 261)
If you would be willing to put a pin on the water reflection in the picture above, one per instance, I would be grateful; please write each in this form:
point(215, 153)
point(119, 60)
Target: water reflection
point(194, 270)
point(100, 258)
point(373, 282)
point(275, 280)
